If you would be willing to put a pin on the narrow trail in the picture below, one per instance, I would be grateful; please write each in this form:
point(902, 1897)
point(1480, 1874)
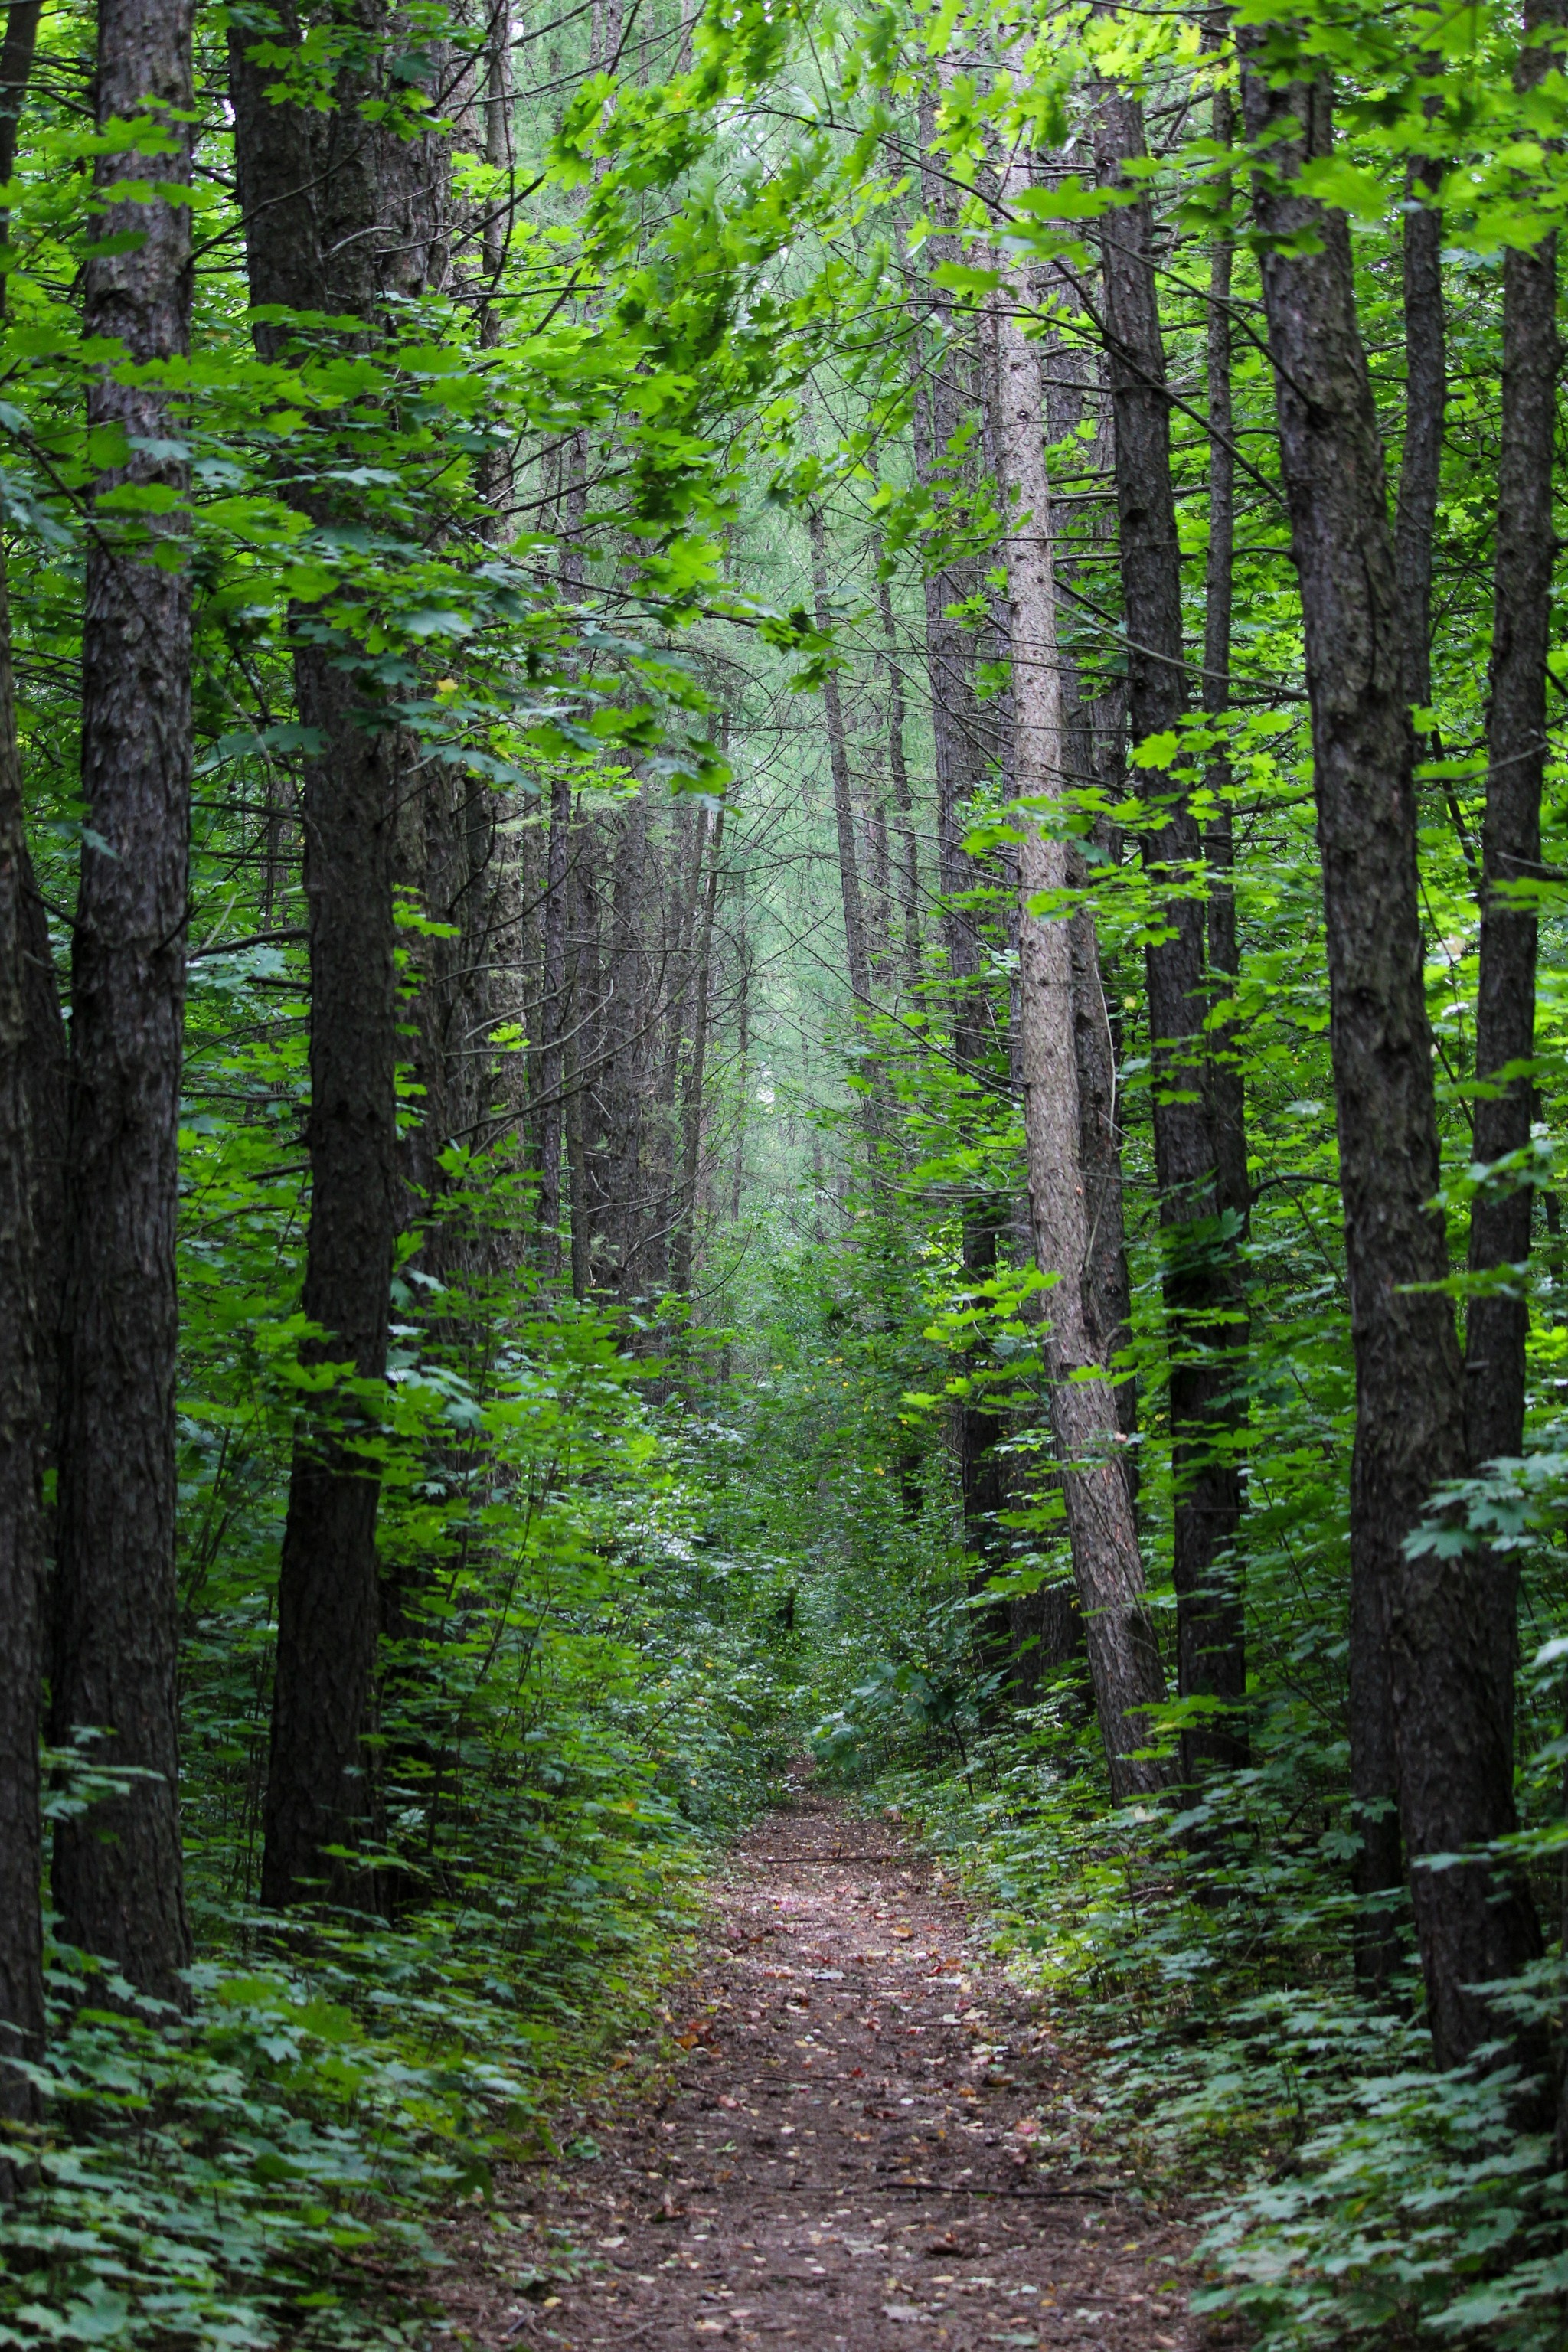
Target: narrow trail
point(869, 2142)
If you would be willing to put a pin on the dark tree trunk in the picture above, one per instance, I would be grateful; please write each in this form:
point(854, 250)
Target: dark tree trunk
point(1442, 1686)
point(909, 884)
point(118, 1870)
point(21, 1465)
point(33, 1103)
point(1425, 394)
point(696, 1073)
point(553, 1023)
point(1498, 1325)
point(626, 1050)
point(336, 214)
point(1227, 1089)
point(856, 949)
point(1205, 1309)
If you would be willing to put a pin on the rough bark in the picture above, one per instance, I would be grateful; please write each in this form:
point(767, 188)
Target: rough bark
point(118, 1869)
point(1205, 1308)
point(32, 1173)
point(1426, 395)
point(1124, 1660)
point(1227, 1089)
point(21, 1464)
point(691, 1110)
point(1415, 1656)
point(908, 884)
point(1497, 1323)
point(337, 215)
point(553, 1023)
point(855, 940)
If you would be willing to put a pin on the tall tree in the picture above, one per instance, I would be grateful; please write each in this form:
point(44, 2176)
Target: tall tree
point(1498, 1318)
point(1124, 1658)
point(337, 215)
point(1422, 1649)
point(1205, 1309)
point(26, 1325)
point(119, 1870)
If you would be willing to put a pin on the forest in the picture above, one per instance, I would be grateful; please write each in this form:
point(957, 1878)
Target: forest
point(784, 854)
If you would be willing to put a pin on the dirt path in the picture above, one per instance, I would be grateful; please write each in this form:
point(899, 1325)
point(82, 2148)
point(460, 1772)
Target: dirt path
point(870, 2142)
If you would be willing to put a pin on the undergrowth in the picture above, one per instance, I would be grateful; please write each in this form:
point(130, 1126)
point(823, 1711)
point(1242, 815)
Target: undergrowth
point(1197, 1966)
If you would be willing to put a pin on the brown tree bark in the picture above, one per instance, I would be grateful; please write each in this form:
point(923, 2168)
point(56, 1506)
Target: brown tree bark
point(691, 1112)
point(1124, 1659)
point(855, 941)
point(21, 1464)
point(1426, 397)
point(336, 215)
point(1496, 1323)
point(1228, 1095)
point(119, 1869)
point(32, 1099)
point(1205, 1308)
point(908, 859)
point(1442, 1686)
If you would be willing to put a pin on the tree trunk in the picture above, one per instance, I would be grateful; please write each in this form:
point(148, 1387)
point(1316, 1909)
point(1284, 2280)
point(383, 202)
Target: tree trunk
point(1227, 1089)
point(32, 1169)
point(691, 1108)
point(118, 1870)
point(1426, 393)
point(1124, 1659)
point(1205, 1312)
point(21, 1464)
point(1498, 1325)
point(856, 949)
point(553, 1024)
point(1442, 1685)
point(336, 213)
point(908, 884)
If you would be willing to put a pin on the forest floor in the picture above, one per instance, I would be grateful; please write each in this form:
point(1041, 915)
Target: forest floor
point(869, 2144)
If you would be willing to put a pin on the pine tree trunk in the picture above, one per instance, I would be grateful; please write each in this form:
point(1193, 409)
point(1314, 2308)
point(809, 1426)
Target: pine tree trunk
point(334, 215)
point(1204, 1311)
point(118, 1870)
point(855, 940)
point(1227, 1090)
point(21, 1348)
point(1517, 749)
point(909, 884)
point(691, 1108)
point(1441, 1684)
point(33, 1103)
point(1124, 1660)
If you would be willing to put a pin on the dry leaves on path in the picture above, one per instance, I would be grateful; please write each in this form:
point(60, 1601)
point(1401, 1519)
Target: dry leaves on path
point(871, 2141)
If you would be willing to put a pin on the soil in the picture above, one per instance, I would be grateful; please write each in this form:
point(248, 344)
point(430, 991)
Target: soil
point(869, 2143)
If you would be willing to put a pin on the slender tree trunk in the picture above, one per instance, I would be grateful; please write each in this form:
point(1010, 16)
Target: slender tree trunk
point(625, 1015)
point(1124, 1659)
point(909, 884)
point(843, 797)
point(1498, 1325)
point(118, 1870)
point(692, 1109)
point(1444, 1686)
point(552, 1022)
point(1227, 1089)
point(1204, 1311)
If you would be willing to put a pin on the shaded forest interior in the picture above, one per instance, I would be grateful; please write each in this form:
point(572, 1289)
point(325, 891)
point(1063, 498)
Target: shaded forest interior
point(781, 847)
